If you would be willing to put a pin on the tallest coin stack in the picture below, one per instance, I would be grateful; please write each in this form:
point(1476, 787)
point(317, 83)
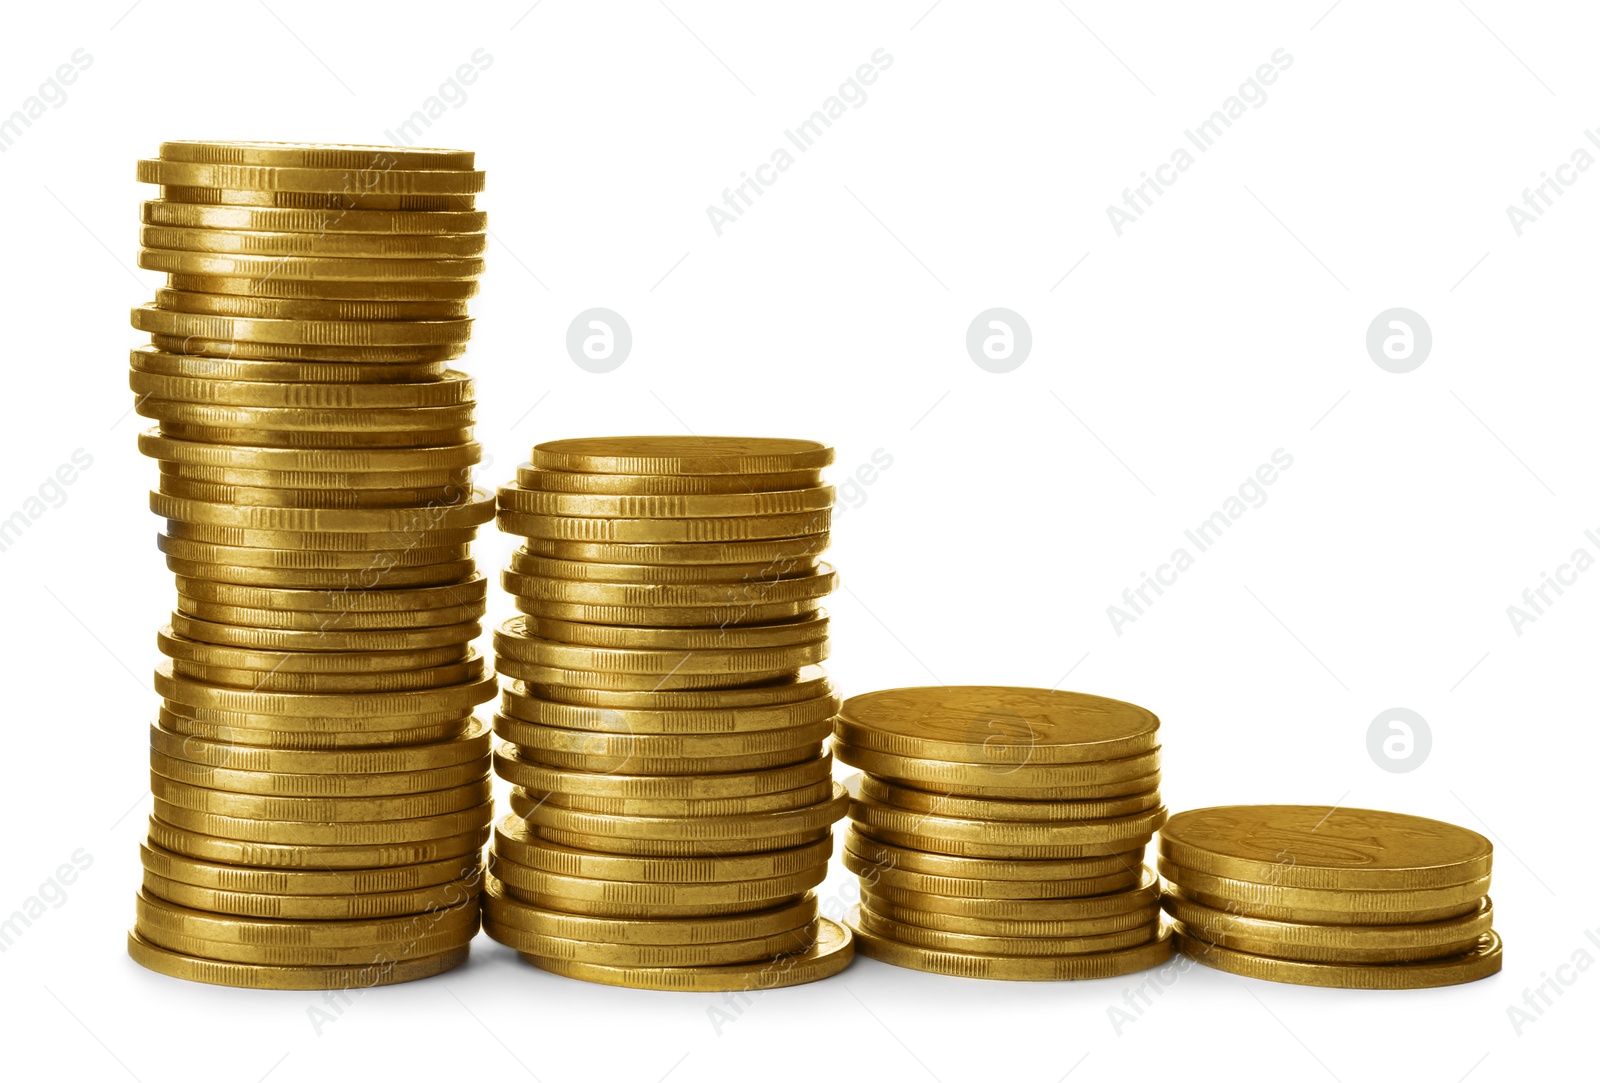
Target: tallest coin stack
point(321, 787)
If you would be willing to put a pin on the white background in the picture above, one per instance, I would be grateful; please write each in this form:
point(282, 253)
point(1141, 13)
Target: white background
point(1226, 323)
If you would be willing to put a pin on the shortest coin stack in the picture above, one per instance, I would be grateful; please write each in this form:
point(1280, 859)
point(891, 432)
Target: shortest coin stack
point(1000, 832)
point(1338, 897)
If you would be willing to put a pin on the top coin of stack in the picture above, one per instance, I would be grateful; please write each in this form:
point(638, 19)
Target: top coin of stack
point(664, 717)
point(1000, 832)
point(1339, 897)
point(321, 786)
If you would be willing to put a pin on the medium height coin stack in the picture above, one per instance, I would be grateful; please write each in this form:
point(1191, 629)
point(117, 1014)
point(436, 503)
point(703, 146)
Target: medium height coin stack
point(664, 717)
point(321, 787)
point(1000, 832)
point(1345, 898)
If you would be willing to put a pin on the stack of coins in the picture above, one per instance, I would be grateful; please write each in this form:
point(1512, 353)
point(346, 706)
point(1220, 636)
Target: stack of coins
point(1000, 832)
point(1338, 897)
point(664, 715)
point(322, 791)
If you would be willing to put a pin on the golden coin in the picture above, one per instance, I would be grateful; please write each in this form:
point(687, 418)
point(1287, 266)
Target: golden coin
point(353, 764)
point(454, 697)
point(313, 662)
point(813, 585)
point(548, 682)
point(284, 308)
point(680, 455)
point(321, 810)
point(724, 806)
point(340, 201)
point(524, 563)
point(1147, 917)
point(1067, 781)
point(1090, 907)
point(874, 874)
point(756, 826)
point(736, 528)
point(703, 787)
point(278, 784)
point(452, 389)
point(1312, 943)
point(307, 833)
point(678, 699)
point(674, 955)
point(300, 419)
point(1002, 728)
point(1017, 946)
point(831, 950)
point(373, 544)
point(307, 740)
point(301, 268)
point(206, 847)
point(517, 842)
point(381, 728)
point(561, 481)
point(877, 854)
point(507, 911)
point(758, 551)
point(1317, 846)
point(668, 616)
point(994, 851)
point(686, 506)
point(1120, 833)
point(274, 286)
point(313, 155)
point(314, 441)
point(592, 895)
point(612, 844)
point(819, 707)
point(727, 663)
point(377, 175)
point(158, 445)
point(363, 245)
point(319, 907)
point(327, 481)
point(981, 808)
point(1483, 960)
point(227, 349)
point(163, 917)
point(304, 498)
point(362, 568)
point(314, 621)
point(216, 370)
point(468, 510)
point(269, 955)
point(256, 680)
point(622, 747)
point(1107, 964)
point(1383, 906)
point(326, 579)
point(809, 629)
point(230, 878)
point(255, 976)
point(470, 591)
point(274, 639)
point(160, 321)
point(585, 761)
point(161, 212)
